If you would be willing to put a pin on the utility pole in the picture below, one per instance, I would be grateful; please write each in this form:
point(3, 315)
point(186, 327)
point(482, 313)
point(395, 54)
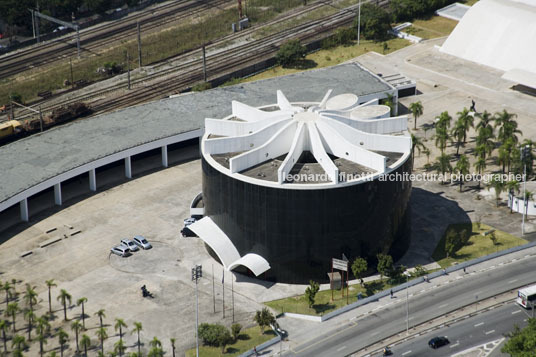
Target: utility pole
point(213, 291)
point(223, 293)
point(139, 44)
point(197, 273)
point(204, 64)
point(40, 119)
point(37, 24)
point(524, 154)
point(232, 293)
point(72, 76)
point(359, 23)
point(407, 303)
point(33, 22)
point(128, 69)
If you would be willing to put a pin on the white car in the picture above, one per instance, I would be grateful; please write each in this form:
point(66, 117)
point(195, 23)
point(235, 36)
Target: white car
point(121, 250)
point(130, 244)
point(189, 221)
point(142, 242)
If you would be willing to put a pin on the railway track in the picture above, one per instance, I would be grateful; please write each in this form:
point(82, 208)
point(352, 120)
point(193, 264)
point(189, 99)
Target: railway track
point(99, 36)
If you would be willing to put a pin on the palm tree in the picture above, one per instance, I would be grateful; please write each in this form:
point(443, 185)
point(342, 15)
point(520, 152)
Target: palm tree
point(462, 168)
point(79, 302)
point(527, 198)
point(101, 315)
point(43, 326)
point(458, 132)
point(50, 283)
point(137, 329)
point(3, 327)
point(417, 110)
point(156, 348)
point(20, 342)
point(30, 296)
point(85, 341)
point(441, 138)
point(52, 354)
point(172, 340)
point(485, 120)
point(119, 324)
point(42, 341)
point(480, 166)
point(62, 339)
point(102, 335)
point(64, 297)
point(467, 121)
point(416, 143)
point(12, 310)
point(508, 126)
point(76, 326)
point(155, 343)
point(7, 288)
point(498, 185)
point(119, 347)
point(30, 316)
point(512, 187)
point(443, 164)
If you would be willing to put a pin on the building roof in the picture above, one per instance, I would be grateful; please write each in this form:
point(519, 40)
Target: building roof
point(27, 162)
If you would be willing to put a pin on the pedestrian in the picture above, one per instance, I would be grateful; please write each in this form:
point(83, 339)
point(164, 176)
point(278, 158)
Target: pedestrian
point(473, 108)
point(464, 271)
point(255, 351)
point(391, 293)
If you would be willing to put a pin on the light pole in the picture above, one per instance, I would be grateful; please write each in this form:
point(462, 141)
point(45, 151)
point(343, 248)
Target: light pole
point(406, 273)
point(197, 273)
point(359, 22)
point(524, 154)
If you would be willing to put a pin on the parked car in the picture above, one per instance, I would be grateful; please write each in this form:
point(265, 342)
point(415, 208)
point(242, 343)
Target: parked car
point(189, 221)
point(130, 244)
point(142, 242)
point(438, 341)
point(121, 250)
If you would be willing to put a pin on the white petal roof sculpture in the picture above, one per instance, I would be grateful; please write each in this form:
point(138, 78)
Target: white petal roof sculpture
point(270, 145)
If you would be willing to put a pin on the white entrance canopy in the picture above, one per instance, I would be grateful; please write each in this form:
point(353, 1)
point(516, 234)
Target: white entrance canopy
point(216, 239)
point(521, 77)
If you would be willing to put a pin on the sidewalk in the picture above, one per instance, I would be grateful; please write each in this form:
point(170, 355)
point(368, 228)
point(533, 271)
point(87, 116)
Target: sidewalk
point(301, 331)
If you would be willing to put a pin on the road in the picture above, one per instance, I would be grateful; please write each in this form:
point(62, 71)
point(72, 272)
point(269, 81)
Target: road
point(477, 330)
point(342, 339)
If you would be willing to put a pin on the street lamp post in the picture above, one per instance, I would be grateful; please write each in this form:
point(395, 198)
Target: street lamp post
point(407, 302)
point(197, 273)
point(359, 22)
point(524, 154)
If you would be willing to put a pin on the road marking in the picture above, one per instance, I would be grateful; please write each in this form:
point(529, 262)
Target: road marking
point(512, 281)
point(455, 345)
point(479, 324)
point(487, 333)
point(516, 312)
point(406, 353)
point(375, 333)
point(340, 349)
point(441, 306)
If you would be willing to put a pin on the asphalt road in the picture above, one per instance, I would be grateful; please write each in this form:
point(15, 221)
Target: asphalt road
point(351, 337)
point(477, 330)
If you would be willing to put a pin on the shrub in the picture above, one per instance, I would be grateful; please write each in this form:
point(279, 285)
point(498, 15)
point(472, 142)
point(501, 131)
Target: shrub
point(199, 87)
point(235, 330)
point(214, 334)
point(291, 53)
point(310, 292)
point(375, 22)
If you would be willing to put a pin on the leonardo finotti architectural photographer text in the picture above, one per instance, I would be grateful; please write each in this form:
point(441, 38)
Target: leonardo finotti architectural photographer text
point(439, 177)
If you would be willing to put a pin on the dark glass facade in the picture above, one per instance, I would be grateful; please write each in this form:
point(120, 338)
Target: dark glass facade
point(299, 231)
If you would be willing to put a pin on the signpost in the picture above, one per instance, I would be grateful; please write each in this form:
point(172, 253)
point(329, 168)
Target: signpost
point(342, 265)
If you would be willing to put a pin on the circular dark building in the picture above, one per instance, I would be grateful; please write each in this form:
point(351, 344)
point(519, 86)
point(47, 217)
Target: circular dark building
point(287, 187)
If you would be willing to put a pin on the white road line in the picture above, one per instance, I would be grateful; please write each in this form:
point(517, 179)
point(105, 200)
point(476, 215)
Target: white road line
point(441, 306)
point(341, 348)
point(375, 333)
point(487, 333)
point(406, 353)
point(455, 345)
point(512, 281)
point(516, 312)
point(479, 324)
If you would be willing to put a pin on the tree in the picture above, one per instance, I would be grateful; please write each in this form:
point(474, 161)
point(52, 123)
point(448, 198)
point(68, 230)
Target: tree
point(467, 121)
point(480, 166)
point(263, 318)
point(359, 266)
point(310, 292)
point(85, 341)
point(512, 187)
point(76, 326)
point(291, 54)
point(102, 335)
point(63, 337)
point(101, 315)
point(497, 184)
point(375, 22)
point(137, 329)
point(19, 342)
point(458, 133)
point(172, 341)
point(462, 169)
point(156, 348)
point(235, 331)
point(30, 296)
point(452, 243)
point(50, 283)
point(119, 347)
point(385, 264)
point(30, 316)
point(3, 328)
point(119, 324)
point(12, 310)
point(42, 341)
point(79, 302)
point(493, 238)
point(7, 288)
point(521, 342)
point(507, 126)
point(416, 143)
point(224, 338)
point(417, 110)
point(64, 297)
point(442, 126)
point(443, 164)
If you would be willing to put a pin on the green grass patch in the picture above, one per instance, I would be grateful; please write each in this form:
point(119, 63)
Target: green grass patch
point(433, 27)
point(477, 246)
point(323, 303)
point(333, 56)
point(247, 339)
